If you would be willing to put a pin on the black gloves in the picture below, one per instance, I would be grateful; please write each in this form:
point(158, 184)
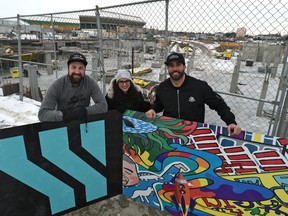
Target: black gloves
point(76, 113)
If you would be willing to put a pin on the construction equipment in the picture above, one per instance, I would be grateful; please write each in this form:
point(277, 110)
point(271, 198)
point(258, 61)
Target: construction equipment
point(14, 72)
point(224, 55)
point(227, 54)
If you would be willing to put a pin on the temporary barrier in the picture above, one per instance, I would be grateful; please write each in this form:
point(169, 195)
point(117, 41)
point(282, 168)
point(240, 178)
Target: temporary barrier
point(190, 168)
point(177, 166)
point(53, 168)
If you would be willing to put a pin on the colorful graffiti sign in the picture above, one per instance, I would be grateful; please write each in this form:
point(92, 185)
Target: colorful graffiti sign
point(190, 168)
point(54, 168)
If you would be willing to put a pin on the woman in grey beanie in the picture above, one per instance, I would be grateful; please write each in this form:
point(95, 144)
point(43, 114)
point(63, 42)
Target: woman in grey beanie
point(123, 94)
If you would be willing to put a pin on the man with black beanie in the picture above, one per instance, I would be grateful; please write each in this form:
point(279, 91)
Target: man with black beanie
point(182, 96)
point(68, 98)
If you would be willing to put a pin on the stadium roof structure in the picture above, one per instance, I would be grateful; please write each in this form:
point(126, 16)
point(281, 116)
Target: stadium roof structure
point(72, 23)
point(111, 18)
point(59, 23)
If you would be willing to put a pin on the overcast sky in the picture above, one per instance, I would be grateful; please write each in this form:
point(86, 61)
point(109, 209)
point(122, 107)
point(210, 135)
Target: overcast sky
point(13, 7)
point(257, 16)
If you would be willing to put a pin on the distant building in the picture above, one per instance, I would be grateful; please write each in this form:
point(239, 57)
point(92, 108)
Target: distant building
point(201, 36)
point(241, 32)
point(219, 34)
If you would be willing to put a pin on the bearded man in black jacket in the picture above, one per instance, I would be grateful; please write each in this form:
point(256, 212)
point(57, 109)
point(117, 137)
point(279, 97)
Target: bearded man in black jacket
point(182, 96)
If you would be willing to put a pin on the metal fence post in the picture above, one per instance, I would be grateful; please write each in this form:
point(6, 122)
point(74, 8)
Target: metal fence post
point(101, 59)
point(161, 78)
point(54, 46)
point(282, 87)
point(282, 126)
point(20, 59)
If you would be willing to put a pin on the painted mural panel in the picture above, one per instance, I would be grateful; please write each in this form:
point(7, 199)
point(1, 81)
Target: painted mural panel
point(190, 168)
point(54, 168)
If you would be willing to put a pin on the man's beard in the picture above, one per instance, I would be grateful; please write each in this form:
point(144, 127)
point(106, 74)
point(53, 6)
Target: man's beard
point(176, 78)
point(75, 81)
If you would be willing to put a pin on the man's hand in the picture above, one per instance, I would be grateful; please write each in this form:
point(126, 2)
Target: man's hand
point(233, 129)
point(76, 113)
point(151, 114)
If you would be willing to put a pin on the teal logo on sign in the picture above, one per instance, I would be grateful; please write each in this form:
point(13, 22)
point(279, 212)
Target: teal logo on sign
point(66, 166)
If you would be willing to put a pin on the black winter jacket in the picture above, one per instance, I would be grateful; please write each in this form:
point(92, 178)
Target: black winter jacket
point(188, 101)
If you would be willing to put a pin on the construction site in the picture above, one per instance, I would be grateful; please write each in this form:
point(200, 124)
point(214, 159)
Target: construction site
point(244, 63)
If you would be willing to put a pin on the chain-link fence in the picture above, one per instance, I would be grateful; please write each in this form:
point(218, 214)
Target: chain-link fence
point(238, 47)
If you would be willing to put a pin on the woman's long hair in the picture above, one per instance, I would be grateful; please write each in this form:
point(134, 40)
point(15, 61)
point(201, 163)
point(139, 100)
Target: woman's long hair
point(119, 95)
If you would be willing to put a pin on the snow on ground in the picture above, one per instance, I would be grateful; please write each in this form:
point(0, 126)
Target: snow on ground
point(14, 112)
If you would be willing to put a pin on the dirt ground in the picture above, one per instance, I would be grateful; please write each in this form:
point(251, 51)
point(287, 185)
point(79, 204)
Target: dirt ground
point(118, 206)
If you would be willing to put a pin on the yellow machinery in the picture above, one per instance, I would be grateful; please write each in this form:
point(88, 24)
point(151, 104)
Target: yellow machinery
point(227, 54)
point(224, 55)
point(141, 83)
point(14, 72)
